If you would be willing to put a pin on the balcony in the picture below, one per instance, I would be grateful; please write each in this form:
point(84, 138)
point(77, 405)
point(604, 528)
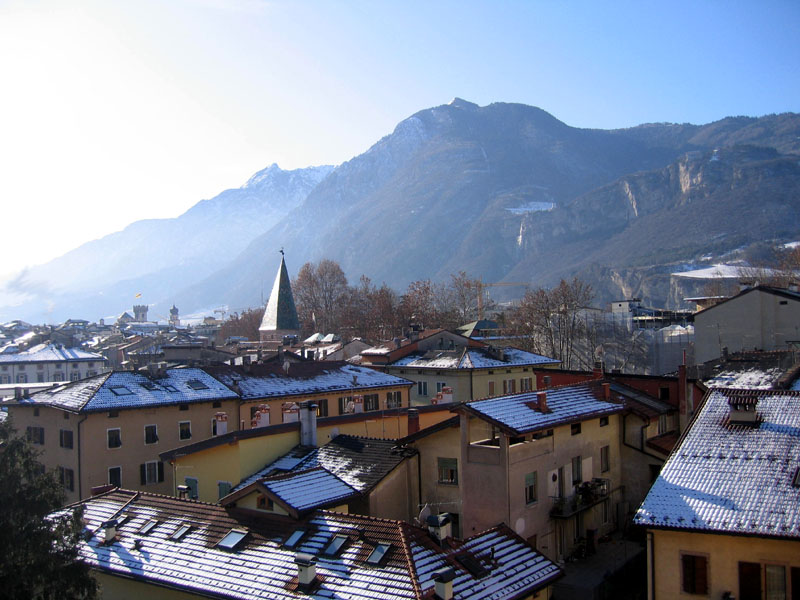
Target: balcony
point(587, 495)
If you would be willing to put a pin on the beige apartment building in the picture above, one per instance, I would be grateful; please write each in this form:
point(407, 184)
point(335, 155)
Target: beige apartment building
point(555, 465)
point(447, 367)
point(109, 429)
point(723, 517)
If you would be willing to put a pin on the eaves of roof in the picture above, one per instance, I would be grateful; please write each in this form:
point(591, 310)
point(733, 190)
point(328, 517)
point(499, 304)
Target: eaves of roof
point(230, 437)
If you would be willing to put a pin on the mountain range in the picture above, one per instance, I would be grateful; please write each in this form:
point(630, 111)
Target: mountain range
point(505, 192)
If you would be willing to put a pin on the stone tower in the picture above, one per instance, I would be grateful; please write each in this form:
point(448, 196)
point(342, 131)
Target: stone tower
point(140, 313)
point(280, 315)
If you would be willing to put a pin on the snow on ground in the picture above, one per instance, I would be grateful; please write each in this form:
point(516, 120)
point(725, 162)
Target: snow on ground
point(532, 207)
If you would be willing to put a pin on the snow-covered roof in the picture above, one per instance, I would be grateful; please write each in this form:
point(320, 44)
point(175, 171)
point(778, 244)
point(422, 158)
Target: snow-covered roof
point(567, 404)
point(754, 378)
point(50, 353)
point(307, 490)
point(126, 390)
point(473, 358)
point(306, 378)
point(733, 478)
point(262, 565)
point(359, 462)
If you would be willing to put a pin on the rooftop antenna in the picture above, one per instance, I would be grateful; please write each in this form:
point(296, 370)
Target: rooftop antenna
point(281, 250)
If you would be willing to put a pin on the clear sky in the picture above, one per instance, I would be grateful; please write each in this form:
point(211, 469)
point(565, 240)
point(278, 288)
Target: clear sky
point(115, 111)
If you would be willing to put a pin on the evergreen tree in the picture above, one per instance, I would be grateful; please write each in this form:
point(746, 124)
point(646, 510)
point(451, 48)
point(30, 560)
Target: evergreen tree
point(38, 542)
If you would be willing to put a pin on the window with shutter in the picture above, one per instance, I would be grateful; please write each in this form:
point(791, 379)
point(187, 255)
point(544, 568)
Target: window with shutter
point(694, 574)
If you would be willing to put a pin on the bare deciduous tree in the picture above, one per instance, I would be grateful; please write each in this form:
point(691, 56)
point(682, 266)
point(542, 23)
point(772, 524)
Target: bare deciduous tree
point(551, 321)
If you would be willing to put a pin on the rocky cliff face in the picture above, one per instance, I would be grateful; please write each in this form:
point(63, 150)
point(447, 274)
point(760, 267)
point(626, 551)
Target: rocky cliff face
point(504, 192)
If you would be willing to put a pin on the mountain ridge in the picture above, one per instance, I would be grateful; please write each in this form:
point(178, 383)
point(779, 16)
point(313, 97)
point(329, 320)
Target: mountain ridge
point(503, 191)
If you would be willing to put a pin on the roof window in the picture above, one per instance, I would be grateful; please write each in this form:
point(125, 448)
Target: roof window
point(196, 384)
point(147, 527)
point(149, 385)
point(796, 478)
point(170, 388)
point(336, 545)
point(232, 539)
point(180, 532)
point(295, 538)
point(120, 390)
point(378, 553)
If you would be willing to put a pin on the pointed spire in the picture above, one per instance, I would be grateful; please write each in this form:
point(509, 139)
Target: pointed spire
point(280, 315)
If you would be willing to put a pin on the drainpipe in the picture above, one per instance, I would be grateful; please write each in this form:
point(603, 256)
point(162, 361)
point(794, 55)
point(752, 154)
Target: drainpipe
point(651, 563)
point(641, 437)
point(80, 473)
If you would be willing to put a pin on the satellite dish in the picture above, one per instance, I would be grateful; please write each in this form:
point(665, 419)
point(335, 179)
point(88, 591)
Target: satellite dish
point(424, 513)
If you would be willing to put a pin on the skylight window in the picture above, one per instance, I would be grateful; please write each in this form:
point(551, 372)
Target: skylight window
point(336, 545)
point(149, 385)
point(120, 390)
point(294, 538)
point(180, 532)
point(196, 384)
point(232, 539)
point(170, 388)
point(147, 527)
point(378, 553)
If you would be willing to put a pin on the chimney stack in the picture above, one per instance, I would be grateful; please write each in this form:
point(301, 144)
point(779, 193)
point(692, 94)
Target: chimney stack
point(541, 400)
point(440, 527)
point(413, 421)
point(109, 531)
point(447, 395)
point(607, 391)
point(443, 583)
point(308, 423)
point(598, 369)
point(306, 569)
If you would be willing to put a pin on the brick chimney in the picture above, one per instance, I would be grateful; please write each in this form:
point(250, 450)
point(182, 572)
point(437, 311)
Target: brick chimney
point(607, 391)
point(413, 421)
point(541, 401)
point(597, 372)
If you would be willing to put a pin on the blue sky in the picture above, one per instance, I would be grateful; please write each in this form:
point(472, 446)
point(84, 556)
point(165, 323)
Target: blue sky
point(116, 111)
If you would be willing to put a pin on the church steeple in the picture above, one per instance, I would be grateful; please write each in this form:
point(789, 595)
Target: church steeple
point(280, 315)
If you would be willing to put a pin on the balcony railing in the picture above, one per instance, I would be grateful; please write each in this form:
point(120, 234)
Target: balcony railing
point(587, 494)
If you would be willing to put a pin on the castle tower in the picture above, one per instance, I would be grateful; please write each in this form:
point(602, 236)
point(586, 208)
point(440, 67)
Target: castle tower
point(140, 313)
point(280, 315)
